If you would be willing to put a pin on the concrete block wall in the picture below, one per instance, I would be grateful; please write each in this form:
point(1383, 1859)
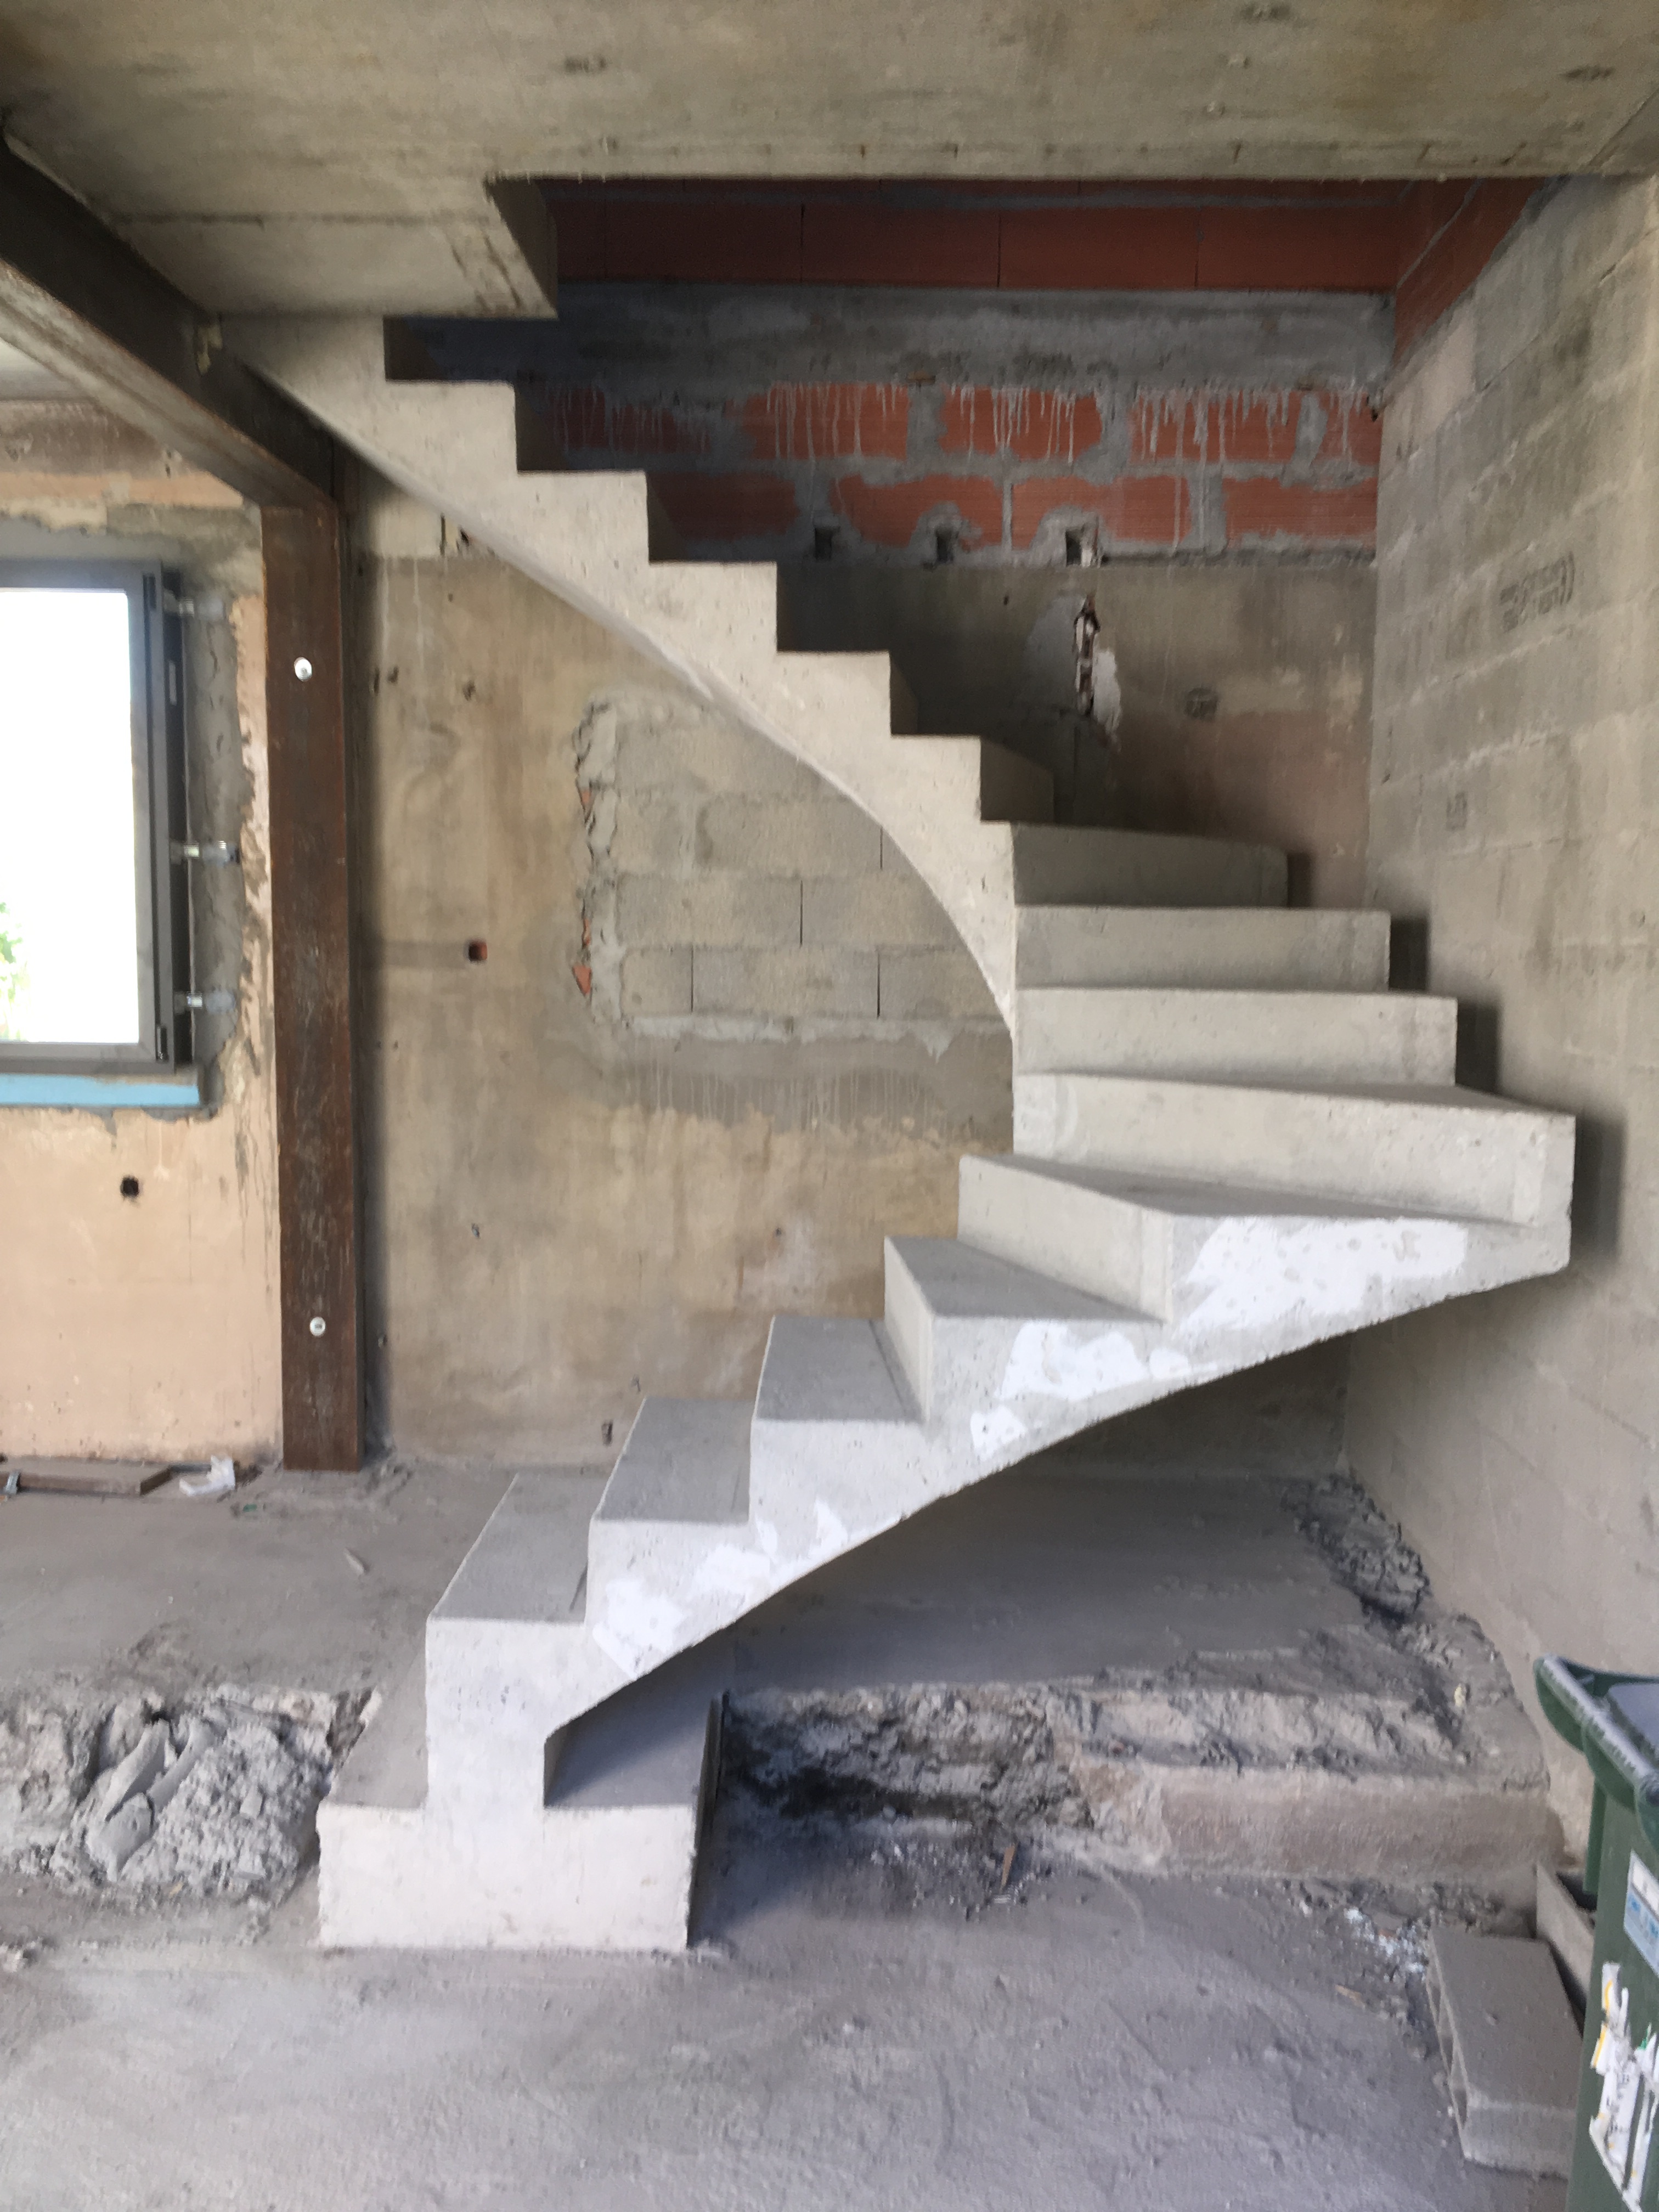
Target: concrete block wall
point(1514, 816)
point(729, 889)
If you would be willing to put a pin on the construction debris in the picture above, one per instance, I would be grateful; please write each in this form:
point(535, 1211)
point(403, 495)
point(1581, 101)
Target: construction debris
point(1511, 2048)
point(214, 1797)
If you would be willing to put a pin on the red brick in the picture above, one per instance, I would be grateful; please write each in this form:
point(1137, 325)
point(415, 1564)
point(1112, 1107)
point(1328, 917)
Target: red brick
point(579, 232)
point(891, 515)
point(1457, 255)
point(876, 245)
point(1353, 433)
point(1131, 510)
point(1030, 426)
point(1173, 426)
point(1312, 515)
point(816, 422)
point(725, 509)
point(585, 421)
point(704, 242)
point(1279, 249)
point(1126, 249)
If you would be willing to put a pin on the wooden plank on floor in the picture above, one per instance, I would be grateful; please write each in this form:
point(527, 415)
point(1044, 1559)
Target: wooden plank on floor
point(88, 1477)
point(317, 1191)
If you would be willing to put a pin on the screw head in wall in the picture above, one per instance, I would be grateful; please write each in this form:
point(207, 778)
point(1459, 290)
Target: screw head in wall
point(318, 1327)
point(302, 669)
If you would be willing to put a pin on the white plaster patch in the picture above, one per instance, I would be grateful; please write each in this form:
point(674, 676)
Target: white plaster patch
point(1258, 1271)
point(831, 1531)
point(995, 1431)
point(1056, 1359)
point(641, 1625)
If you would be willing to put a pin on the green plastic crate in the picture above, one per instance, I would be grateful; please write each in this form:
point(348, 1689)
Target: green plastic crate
point(1613, 1720)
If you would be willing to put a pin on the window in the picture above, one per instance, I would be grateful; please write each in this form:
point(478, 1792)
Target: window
point(94, 923)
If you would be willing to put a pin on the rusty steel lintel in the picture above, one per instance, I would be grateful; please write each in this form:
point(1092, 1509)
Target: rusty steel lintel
point(321, 1338)
point(80, 303)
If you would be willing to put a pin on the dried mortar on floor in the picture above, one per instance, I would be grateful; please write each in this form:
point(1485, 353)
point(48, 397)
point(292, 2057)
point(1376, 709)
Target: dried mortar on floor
point(209, 1797)
point(1069, 1764)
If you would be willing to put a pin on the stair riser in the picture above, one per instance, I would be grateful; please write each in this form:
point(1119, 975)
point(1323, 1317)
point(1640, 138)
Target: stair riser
point(1211, 1280)
point(608, 1879)
point(1059, 868)
point(1464, 1160)
point(1116, 1252)
point(1257, 950)
point(1288, 1036)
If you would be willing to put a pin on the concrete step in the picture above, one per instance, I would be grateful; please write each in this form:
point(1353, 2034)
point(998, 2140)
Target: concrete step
point(1176, 1251)
point(1432, 1149)
point(508, 1638)
point(1276, 1036)
point(1055, 866)
point(679, 1488)
point(986, 781)
point(833, 1410)
point(605, 1863)
point(950, 1308)
point(1254, 948)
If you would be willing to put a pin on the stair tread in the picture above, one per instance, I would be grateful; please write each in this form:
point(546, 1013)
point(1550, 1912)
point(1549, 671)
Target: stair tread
point(961, 1283)
point(386, 1765)
point(686, 1459)
point(530, 1561)
point(825, 1369)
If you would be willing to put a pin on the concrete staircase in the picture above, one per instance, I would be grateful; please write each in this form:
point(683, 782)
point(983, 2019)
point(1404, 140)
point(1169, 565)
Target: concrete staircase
point(1231, 1140)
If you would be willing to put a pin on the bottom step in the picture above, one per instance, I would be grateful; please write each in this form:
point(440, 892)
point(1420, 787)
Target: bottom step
point(607, 1864)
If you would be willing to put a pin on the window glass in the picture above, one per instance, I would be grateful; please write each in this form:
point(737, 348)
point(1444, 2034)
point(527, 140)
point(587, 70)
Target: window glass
point(68, 932)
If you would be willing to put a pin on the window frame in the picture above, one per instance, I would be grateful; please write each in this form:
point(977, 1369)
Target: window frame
point(155, 659)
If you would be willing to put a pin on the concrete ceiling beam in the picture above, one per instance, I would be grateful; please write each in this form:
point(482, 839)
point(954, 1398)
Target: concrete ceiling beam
point(89, 310)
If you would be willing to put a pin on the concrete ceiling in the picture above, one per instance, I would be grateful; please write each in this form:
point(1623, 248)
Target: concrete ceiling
point(327, 156)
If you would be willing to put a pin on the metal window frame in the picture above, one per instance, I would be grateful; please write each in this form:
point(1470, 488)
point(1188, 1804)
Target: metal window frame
point(155, 661)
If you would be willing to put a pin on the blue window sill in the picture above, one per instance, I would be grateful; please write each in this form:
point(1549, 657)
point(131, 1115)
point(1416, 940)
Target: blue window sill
point(179, 1092)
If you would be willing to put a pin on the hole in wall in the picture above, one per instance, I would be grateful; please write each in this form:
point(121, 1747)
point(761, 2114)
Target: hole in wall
point(476, 951)
point(823, 542)
point(130, 1187)
point(944, 547)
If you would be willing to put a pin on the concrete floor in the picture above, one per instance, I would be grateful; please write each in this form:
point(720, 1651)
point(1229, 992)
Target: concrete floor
point(865, 2019)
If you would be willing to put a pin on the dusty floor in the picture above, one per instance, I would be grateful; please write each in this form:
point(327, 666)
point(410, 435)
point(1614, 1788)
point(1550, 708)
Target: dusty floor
point(844, 2036)
point(868, 2019)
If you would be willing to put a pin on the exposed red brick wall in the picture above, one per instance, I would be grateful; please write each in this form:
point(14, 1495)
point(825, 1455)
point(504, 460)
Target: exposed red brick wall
point(1308, 236)
point(887, 470)
point(924, 471)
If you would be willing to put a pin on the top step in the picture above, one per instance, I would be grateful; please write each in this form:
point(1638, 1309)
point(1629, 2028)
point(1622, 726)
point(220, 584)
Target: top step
point(1128, 867)
point(1202, 948)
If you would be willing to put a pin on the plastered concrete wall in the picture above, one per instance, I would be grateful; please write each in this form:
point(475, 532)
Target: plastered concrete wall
point(148, 1326)
point(1514, 808)
point(668, 1102)
point(1244, 686)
